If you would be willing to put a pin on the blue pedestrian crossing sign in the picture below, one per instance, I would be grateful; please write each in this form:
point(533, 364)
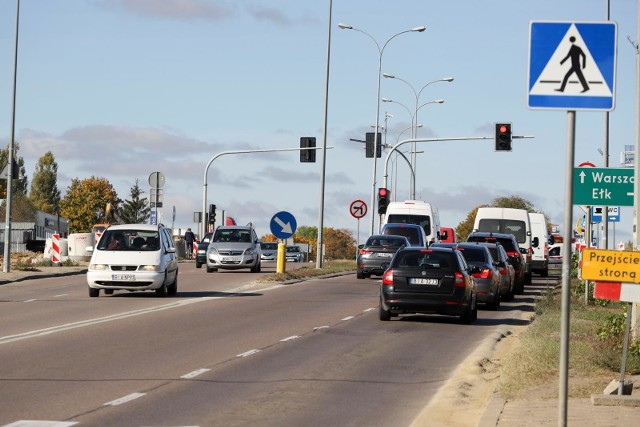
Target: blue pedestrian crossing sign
point(572, 65)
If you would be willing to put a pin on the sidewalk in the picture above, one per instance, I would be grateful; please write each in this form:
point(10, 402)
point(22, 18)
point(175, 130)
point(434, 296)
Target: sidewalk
point(15, 275)
point(545, 412)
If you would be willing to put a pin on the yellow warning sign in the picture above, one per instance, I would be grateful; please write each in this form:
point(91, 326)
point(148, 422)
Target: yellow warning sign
point(610, 266)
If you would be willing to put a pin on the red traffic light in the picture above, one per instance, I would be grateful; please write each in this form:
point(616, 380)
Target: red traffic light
point(382, 192)
point(502, 129)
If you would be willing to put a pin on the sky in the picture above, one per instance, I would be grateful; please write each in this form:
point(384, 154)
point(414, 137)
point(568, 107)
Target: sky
point(120, 89)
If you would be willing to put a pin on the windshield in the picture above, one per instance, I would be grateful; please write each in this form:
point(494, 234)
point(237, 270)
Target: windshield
point(269, 246)
point(232, 235)
point(423, 221)
point(293, 249)
point(129, 240)
point(506, 226)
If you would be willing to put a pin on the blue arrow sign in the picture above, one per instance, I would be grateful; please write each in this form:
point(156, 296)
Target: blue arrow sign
point(283, 225)
point(572, 65)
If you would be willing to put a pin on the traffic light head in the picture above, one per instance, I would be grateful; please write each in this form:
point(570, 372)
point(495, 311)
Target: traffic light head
point(383, 200)
point(370, 142)
point(503, 136)
point(307, 156)
point(212, 214)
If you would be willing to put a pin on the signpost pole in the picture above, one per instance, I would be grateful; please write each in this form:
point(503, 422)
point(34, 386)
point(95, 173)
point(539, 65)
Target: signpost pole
point(566, 270)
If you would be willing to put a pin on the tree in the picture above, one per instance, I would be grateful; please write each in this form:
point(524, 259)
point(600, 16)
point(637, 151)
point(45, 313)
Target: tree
point(515, 202)
point(17, 185)
point(44, 194)
point(136, 210)
point(22, 210)
point(466, 227)
point(85, 203)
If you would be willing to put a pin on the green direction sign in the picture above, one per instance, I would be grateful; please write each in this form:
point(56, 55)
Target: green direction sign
point(603, 186)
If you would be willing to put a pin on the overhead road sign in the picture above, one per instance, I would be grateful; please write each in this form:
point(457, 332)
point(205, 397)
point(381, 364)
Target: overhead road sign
point(572, 65)
point(603, 186)
point(610, 266)
point(283, 225)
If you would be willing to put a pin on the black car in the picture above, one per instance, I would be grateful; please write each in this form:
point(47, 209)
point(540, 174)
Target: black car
point(201, 253)
point(376, 254)
point(510, 245)
point(507, 272)
point(431, 281)
point(484, 271)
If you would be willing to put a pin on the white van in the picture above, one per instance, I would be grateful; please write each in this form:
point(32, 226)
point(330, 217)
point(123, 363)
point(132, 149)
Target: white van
point(509, 221)
point(540, 244)
point(415, 212)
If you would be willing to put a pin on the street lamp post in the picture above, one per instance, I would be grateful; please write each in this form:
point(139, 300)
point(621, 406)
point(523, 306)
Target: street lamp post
point(417, 94)
point(375, 140)
point(414, 133)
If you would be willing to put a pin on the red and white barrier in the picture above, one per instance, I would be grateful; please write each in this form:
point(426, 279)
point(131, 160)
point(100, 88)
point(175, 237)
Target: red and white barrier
point(195, 248)
point(55, 249)
point(617, 291)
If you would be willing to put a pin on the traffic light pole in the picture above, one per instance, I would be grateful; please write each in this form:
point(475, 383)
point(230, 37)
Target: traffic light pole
point(224, 153)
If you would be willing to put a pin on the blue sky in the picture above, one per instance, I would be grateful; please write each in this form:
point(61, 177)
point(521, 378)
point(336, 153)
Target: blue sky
point(123, 88)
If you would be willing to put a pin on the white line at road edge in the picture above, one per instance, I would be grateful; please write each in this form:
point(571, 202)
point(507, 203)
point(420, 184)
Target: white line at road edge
point(40, 423)
point(248, 353)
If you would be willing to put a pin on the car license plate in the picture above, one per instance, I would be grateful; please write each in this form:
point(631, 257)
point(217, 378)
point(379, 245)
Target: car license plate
point(422, 281)
point(385, 255)
point(123, 277)
point(231, 259)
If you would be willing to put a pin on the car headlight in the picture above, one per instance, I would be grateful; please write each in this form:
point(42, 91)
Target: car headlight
point(201, 251)
point(98, 267)
point(149, 268)
point(250, 251)
point(212, 251)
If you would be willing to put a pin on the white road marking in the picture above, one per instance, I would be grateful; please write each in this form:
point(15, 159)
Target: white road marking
point(41, 423)
point(29, 300)
point(195, 373)
point(248, 353)
point(124, 399)
point(348, 318)
point(61, 295)
point(89, 322)
point(320, 327)
point(293, 337)
point(369, 309)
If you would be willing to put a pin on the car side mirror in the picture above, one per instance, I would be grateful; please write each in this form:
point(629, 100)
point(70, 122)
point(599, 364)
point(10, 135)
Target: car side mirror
point(475, 269)
point(444, 235)
point(552, 240)
point(536, 242)
point(360, 246)
point(499, 264)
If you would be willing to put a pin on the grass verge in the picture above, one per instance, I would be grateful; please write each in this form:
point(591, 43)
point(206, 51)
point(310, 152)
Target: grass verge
point(310, 270)
point(596, 335)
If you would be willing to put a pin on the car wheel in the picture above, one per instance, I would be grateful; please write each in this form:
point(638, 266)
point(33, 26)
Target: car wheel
point(108, 291)
point(198, 264)
point(468, 315)
point(384, 315)
point(162, 291)
point(173, 288)
point(360, 274)
point(495, 304)
point(545, 273)
point(94, 293)
point(527, 280)
point(210, 269)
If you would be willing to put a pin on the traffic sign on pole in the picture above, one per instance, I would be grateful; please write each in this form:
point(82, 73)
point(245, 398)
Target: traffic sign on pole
point(603, 186)
point(283, 225)
point(572, 65)
point(358, 209)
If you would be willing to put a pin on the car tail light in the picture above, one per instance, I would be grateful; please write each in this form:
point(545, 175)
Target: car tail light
point(365, 251)
point(514, 254)
point(484, 274)
point(459, 280)
point(387, 278)
point(503, 271)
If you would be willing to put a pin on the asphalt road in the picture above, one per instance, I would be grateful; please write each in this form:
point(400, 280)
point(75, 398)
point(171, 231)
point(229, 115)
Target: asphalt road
point(225, 351)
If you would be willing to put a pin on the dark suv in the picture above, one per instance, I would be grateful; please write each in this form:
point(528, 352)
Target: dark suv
point(510, 245)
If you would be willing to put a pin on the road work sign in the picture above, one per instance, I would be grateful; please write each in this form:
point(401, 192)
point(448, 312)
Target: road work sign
point(610, 266)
